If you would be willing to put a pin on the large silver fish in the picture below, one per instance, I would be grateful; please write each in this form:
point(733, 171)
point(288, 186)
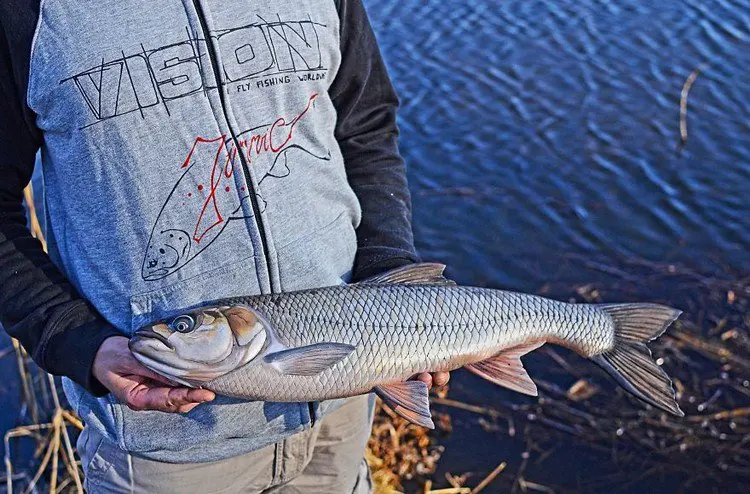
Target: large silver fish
point(347, 340)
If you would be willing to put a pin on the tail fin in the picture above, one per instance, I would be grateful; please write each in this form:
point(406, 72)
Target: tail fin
point(630, 361)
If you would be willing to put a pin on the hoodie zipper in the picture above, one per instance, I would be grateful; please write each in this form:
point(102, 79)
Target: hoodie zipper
point(213, 58)
point(253, 199)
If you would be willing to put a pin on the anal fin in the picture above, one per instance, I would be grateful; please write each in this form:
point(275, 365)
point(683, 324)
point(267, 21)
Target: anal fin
point(410, 399)
point(505, 369)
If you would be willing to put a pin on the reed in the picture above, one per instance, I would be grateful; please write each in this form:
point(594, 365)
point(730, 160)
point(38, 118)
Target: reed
point(48, 420)
point(707, 352)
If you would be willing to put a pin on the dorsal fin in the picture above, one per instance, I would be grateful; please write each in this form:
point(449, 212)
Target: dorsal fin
point(425, 273)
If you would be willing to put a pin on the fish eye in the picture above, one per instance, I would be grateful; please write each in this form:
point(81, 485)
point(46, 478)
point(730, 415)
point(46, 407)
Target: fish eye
point(183, 324)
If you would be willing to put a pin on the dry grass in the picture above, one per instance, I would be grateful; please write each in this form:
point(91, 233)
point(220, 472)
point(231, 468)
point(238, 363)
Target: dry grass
point(54, 452)
point(707, 353)
point(399, 451)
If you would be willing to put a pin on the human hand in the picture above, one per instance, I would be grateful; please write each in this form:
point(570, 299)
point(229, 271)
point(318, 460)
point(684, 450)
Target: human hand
point(437, 379)
point(139, 387)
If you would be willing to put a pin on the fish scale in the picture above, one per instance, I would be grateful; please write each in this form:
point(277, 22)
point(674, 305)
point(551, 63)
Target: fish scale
point(401, 330)
point(346, 340)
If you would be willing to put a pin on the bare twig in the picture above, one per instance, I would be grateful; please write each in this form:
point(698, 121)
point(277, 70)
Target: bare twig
point(723, 415)
point(487, 480)
point(465, 406)
point(36, 229)
point(684, 103)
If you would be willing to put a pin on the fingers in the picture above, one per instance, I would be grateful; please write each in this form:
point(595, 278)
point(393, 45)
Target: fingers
point(187, 408)
point(138, 386)
point(441, 378)
point(166, 399)
point(436, 379)
point(142, 370)
point(426, 378)
point(201, 395)
point(198, 396)
point(131, 365)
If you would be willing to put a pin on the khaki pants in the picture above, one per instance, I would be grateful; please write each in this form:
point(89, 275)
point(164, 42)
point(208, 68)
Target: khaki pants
point(325, 459)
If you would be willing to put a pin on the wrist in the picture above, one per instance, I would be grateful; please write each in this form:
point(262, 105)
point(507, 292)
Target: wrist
point(72, 353)
point(105, 354)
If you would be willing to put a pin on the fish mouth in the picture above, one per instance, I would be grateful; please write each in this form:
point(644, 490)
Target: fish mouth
point(148, 333)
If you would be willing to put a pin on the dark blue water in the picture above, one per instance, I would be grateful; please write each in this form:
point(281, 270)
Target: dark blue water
point(536, 128)
point(539, 130)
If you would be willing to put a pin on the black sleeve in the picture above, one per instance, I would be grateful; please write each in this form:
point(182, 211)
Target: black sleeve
point(366, 130)
point(38, 306)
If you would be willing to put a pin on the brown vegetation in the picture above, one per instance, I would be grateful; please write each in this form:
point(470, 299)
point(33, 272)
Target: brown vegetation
point(707, 352)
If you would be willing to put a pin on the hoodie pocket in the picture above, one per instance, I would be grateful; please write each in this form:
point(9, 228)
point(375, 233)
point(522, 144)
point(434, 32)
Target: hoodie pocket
point(223, 428)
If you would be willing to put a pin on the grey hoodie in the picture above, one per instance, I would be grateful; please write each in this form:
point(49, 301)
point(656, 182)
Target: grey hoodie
point(191, 151)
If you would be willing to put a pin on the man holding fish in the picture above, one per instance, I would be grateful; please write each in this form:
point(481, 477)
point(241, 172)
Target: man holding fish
point(232, 272)
point(192, 152)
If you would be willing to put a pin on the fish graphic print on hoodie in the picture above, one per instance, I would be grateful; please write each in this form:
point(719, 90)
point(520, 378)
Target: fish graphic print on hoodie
point(190, 154)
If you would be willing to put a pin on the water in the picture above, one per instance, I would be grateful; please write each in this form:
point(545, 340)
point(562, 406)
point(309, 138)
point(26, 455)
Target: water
point(535, 130)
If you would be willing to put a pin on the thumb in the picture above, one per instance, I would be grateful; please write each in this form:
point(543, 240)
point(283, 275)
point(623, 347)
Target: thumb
point(159, 378)
point(137, 368)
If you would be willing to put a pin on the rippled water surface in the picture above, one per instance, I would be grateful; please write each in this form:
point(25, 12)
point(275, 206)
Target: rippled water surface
point(537, 128)
point(540, 131)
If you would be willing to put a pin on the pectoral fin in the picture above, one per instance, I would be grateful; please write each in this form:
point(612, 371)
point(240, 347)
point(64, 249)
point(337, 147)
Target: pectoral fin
point(308, 360)
point(409, 399)
point(505, 369)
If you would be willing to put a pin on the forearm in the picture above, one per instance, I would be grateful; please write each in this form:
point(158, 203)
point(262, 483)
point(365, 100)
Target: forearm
point(367, 132)
point(38, 306)
point(384, 237)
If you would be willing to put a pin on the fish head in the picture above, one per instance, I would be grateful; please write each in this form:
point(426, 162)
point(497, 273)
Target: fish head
point(167, 251)
point(196, 347)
